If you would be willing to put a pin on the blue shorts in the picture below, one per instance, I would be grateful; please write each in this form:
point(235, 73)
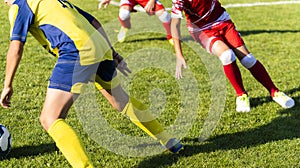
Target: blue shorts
point(69, 75)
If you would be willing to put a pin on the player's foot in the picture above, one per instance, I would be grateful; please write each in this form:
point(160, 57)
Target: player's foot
point(122, 34)
point(283, 100)
point(174, 145)
point(243, 103)
point(171, 41)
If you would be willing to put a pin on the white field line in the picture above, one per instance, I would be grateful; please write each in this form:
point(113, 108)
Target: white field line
point(139, 8)
point(260, 4)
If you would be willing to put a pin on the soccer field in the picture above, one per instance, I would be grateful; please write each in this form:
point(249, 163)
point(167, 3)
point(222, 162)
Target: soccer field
point(199, 109)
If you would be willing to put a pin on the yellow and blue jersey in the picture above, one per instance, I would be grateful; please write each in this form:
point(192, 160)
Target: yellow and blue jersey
point(60, 27)
point(65, 31)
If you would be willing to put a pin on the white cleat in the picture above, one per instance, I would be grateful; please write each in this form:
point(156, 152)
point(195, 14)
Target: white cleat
point(283, 100)
point(243, 103)
point(122, 34)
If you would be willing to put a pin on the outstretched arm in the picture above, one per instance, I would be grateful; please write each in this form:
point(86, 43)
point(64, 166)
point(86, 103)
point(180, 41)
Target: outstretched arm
point(180, 61)
point(13, 58)
point(120, 64)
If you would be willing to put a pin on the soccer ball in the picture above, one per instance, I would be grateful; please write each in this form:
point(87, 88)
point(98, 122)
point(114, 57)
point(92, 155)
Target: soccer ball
point(5, 141)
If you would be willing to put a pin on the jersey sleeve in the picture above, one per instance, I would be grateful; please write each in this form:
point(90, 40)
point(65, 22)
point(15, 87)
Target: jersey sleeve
point(20, 21)
point(177, 8)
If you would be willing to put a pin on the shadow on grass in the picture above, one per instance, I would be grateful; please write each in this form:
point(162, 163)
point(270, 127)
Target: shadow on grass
point(146, 39)
point(25, 151)
point(284, 127)
point(250, 32)
point(257, 101)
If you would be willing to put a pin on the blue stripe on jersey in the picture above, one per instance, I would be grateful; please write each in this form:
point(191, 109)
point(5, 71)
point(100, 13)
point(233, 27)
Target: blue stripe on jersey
point(23, 20)
point(60, 40)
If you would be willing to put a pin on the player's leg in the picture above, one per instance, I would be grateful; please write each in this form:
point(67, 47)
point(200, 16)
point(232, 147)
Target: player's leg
point(106, 79)
point(56, 106)
point(141, 117)
point(65, 84)
point(259, 72)
point(165, 18)
point(233, 74)
point(235, 41)
point(212, 41)
point(124, 18)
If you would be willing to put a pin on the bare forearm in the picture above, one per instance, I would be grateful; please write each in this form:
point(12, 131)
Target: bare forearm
point(100, 29)
point(13, 58)
point(176, 35)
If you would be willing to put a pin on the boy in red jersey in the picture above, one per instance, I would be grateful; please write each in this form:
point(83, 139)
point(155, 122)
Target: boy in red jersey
point(210, 25)
point(150, 6)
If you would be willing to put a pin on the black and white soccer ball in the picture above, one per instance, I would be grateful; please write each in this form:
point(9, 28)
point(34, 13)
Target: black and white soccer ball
point(5, 141)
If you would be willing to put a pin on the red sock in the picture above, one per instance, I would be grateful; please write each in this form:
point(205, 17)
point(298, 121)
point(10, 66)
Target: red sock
point(167, 26)
point(234, 76)
point(125, 23)
point(261, 75)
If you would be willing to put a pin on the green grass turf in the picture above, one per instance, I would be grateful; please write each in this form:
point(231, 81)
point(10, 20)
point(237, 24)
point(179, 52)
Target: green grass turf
point(268, 136)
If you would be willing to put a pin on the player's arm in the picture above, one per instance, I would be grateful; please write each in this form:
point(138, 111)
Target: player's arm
point(97, 25)
point(176, 34)
point(149, 6)
point(103, 3)
point(13, 58)
point(121, 65)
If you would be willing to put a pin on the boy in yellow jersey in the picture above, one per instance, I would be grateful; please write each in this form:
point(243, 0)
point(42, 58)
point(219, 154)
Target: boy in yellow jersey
point(81, 46)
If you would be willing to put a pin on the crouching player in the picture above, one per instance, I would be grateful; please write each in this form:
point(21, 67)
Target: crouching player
point(210, 25)
point(72, 36)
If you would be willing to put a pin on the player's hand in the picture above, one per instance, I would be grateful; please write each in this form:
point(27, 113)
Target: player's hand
point(6, 96)
point(180, 62)
point(121, 64)
point(103, 3)
point(149, 7)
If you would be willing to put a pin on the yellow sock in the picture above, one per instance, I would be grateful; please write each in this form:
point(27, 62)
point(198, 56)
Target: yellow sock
point(141, 117)
point(69, 144)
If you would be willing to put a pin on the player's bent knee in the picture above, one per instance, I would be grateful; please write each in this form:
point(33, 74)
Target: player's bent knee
point(248, 61)
point(164, 17)
point(45, 122)
point(124, 14)
point(227, 57)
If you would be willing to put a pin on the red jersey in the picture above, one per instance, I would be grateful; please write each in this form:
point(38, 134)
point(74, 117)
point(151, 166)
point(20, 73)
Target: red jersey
point(198, 12)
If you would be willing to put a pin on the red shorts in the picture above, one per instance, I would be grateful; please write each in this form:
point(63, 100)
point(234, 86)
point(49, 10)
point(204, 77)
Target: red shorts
point(158, 6)
point(224, 31)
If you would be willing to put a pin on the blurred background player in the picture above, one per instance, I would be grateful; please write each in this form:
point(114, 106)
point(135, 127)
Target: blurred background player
point(78, 41)
point(210, 25)
point(150, 6)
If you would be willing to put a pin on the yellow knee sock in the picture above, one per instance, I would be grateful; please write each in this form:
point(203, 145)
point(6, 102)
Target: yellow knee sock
point(69, 144)
point(141, 117)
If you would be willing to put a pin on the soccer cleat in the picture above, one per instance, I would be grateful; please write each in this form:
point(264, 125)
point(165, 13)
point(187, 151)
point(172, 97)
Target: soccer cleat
point(283, 100)
point(122, 34)
point(174, 145)
point(243, 103)
point(171, 41)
